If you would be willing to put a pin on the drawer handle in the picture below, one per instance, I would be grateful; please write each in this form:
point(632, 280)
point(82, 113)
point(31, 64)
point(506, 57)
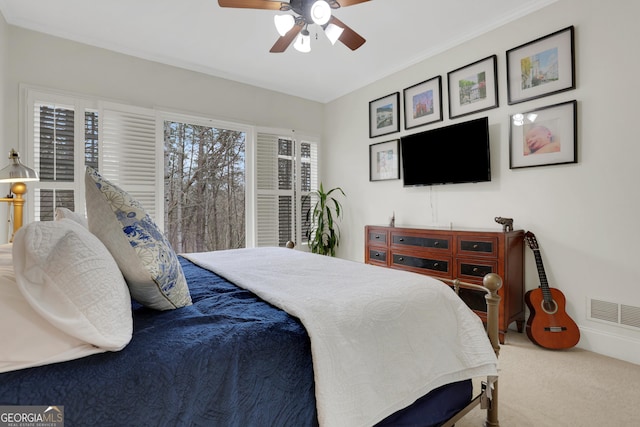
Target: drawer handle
point(475, 246)
point(476, 269)
point(401, 259)
point(436, 243)
point(377, 254)
point(401, 239)
point(435, 264)
point(377, 236)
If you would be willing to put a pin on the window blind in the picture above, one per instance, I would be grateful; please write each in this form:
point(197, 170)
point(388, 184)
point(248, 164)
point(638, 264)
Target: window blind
point(129, 154)
point(286, 171)
point(267, 207)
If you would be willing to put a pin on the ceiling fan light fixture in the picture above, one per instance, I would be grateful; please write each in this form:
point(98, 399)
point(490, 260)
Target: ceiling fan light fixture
point(284, 23)
point(333, 32)
point(303, 42)
point(320, 12)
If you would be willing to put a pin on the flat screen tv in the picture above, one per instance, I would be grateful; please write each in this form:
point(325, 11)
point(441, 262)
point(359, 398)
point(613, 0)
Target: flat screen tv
point(452, 154)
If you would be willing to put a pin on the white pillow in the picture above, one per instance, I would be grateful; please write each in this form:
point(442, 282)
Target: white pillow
point(62, 213)
point(145, 257)
point(28, 339)
point(70, 279)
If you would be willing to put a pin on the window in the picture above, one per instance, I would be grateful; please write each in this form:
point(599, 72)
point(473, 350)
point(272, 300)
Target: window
point(209, 184)
point(205, 187)
point(286, 172)
point(64, 133)
point(71, 133)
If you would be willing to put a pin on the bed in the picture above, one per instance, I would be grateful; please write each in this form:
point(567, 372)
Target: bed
point(247, 337)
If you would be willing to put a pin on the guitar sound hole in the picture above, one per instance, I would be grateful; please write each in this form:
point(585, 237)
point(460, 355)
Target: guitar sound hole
point(549, 307)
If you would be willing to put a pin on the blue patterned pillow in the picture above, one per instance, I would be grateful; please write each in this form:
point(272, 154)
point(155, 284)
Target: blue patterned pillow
point(143, 254)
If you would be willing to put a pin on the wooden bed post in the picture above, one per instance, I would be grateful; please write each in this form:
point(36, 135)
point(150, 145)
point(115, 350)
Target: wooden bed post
point(493, 282)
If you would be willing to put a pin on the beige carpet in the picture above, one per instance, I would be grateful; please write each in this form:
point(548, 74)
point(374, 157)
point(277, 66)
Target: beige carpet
point(573, 387)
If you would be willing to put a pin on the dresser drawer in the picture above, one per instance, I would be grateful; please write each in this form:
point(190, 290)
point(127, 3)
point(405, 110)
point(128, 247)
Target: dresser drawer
point(477, 246)
point(377, 256)
point(424, 264)
point(377, 237)
point(430, 242)
point(475, 270)
point(474, 299)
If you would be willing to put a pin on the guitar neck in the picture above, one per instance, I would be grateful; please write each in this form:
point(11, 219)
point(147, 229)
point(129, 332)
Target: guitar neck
point(544, 285)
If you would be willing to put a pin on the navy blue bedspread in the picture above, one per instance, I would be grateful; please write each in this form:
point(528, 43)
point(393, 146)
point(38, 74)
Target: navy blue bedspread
point(230, 359)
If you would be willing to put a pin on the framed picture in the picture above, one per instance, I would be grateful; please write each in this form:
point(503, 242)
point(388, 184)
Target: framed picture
point(423, 103)
point(384, 115)
point(473, 87)
point(541, 67)
point(546, 136)
point(384, 160)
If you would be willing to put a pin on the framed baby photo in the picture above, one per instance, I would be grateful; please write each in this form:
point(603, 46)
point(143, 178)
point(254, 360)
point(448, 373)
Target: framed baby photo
point(384, 160)
point(542, 67)
point(473, 88)
point(423, 103)
point(546, 136)
point(384, 115)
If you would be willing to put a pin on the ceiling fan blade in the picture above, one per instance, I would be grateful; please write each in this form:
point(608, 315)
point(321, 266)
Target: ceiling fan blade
point(283, 42)
point(345, 3)
point(350, 38)
point(251, 4)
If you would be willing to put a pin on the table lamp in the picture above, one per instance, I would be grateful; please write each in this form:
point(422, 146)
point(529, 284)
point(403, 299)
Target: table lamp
point(18, 174)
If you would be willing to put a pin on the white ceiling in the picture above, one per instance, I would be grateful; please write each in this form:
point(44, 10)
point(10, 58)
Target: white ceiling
point(199, 35)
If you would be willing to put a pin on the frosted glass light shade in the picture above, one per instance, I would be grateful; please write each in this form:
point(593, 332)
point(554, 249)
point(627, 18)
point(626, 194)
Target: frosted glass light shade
point(333, 32)
point(303, 42)
point(284, 23)
point(321, 12)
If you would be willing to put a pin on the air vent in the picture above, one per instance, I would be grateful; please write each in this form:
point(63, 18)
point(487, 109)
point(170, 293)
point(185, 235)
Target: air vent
point(630, 315)
point(611, 312)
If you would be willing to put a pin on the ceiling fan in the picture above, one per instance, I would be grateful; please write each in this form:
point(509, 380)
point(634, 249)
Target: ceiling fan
point(308, 12)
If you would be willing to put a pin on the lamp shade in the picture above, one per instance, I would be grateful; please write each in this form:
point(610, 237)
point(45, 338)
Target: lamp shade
point(333, 32)
point(16, 171)
point(284, 23)
point(303, 42)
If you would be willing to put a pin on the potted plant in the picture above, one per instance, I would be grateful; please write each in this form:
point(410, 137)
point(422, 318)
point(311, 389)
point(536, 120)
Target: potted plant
point(323, 234)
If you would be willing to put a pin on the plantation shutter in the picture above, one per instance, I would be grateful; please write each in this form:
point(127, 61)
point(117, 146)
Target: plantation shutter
point(286, 171)
point(54, 157)
point(130, 155)
point(267, 190)
point(308, 182)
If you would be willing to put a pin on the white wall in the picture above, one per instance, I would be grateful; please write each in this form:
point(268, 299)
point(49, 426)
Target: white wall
point(49, 62)
point(585, 216)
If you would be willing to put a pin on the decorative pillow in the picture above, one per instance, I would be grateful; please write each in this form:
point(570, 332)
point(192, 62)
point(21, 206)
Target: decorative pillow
point(70, 279)
point(145, 257)
point(28, 339)
point(69, 214)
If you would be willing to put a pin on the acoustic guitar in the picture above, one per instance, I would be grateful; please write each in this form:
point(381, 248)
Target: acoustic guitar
point(548, 326)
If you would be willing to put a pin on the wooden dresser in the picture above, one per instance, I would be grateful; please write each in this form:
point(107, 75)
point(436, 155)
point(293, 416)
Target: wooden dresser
point(467, 255)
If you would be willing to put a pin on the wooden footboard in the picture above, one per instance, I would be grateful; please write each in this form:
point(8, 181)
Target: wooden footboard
point(488, 397)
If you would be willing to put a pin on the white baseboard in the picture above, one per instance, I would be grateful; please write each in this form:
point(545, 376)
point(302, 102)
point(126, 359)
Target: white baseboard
point(612, 345)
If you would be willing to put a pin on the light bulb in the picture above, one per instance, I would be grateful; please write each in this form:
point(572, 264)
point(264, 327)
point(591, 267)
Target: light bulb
point(284, 23)
point(321, 12)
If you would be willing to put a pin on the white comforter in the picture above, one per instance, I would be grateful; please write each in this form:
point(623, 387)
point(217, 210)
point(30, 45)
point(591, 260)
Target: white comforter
point(380, 338)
